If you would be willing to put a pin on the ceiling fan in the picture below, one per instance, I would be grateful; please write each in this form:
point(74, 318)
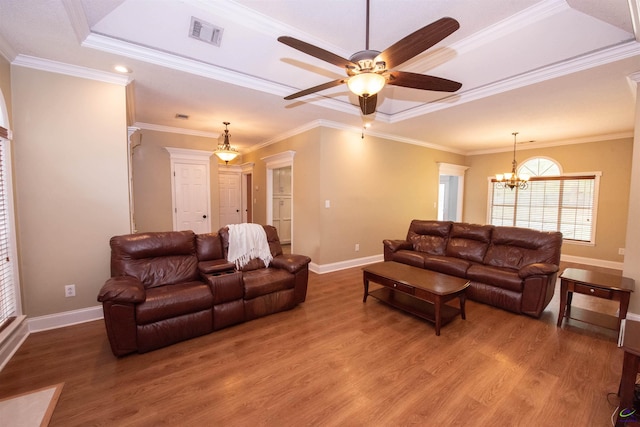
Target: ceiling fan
point(369, 70)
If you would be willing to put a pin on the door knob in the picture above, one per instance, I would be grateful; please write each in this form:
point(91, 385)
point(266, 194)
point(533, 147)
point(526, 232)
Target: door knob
point(237, 210)
point(204, 216)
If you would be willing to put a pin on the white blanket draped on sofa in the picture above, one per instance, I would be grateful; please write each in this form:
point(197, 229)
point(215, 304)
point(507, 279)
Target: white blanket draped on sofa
point(248, 241)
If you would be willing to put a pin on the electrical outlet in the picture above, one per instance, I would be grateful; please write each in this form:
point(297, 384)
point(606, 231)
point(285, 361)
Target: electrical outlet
point(70, 291)
point(620, 251)
point(357, 247)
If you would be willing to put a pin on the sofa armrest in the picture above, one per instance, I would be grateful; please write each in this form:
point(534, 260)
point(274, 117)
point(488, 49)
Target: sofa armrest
point(290, 262)
point(538, 268)
point(396, 245)
point(122, 289)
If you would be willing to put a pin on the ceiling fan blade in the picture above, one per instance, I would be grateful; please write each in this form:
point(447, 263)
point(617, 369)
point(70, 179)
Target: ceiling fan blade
point(368, 104)
point(314, 89)
point(422, 81)
point(418, 41)
point(316, 52)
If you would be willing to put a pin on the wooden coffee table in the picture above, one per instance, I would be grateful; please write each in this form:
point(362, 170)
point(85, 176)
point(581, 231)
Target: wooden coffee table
point(420, 292)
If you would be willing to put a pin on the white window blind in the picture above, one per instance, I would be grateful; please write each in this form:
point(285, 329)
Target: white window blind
point(8, 297)
point(560, 203)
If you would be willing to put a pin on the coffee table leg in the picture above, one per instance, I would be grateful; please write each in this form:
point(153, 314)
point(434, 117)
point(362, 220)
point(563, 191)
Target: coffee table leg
point(438, 318)
point(463, 298)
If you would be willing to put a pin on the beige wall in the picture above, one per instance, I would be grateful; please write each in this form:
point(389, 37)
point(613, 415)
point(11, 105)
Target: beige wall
point(70, 166)
point(375, 187)
point(612, 158)
point(5, 88)
point(152, 177)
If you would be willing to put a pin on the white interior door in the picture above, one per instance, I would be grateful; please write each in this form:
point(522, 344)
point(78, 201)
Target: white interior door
point(230, 198)
point(191, 187)
point(282, 203)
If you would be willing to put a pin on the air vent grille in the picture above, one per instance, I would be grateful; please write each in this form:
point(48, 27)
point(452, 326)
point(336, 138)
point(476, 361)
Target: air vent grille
point(205, 31)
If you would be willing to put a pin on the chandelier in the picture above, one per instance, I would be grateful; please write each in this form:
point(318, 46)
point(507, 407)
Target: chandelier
point(224, 151)
point(511, 179)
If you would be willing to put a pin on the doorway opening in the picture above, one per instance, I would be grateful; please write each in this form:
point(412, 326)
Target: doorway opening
point(450, 191)
point(280, 196)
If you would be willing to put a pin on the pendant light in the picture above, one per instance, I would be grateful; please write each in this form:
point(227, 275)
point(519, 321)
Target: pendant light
point(511, 179)
point(225, 152)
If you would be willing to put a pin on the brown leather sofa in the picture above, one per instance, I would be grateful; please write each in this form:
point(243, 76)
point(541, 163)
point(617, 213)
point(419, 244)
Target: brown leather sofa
point(509, 267)
point(167, 287)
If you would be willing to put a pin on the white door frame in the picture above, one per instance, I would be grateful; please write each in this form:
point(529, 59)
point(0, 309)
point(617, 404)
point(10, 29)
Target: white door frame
point(277, 161)
point(247, 191)
point(194, 157)
point(454, 170)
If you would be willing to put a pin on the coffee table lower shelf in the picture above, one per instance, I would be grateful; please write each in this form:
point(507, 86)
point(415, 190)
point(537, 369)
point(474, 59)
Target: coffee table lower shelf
point(420, 308)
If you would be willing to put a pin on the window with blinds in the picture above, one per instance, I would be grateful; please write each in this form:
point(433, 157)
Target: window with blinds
point(8, 297)
point(549, 203)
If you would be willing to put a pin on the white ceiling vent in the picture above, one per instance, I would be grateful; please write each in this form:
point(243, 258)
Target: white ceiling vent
point(205, 31)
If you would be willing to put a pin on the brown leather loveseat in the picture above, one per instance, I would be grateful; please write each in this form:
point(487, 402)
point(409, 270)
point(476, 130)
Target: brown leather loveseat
point(167, 287)
point(509, 267)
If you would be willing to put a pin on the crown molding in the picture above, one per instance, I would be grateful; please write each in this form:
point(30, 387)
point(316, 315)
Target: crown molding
point(69, 70)
point(171, 129)
point(175, 62)
point(533, 145)
point(347, 128)
point(585, 62)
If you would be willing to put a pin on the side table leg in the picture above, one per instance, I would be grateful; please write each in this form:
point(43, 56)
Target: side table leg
point(563, 301)
point(365, 278)
point(624, 307)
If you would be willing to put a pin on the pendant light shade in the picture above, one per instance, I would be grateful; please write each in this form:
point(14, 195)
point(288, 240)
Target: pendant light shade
point(225, 152)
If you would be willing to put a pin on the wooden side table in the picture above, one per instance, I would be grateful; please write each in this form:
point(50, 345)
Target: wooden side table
point(601, 285)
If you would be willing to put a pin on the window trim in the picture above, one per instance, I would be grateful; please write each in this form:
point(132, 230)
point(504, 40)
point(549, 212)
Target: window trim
point(5, 146)
point(596, 175)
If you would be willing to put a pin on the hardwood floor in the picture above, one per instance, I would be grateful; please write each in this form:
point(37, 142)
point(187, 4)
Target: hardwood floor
point(334, 361)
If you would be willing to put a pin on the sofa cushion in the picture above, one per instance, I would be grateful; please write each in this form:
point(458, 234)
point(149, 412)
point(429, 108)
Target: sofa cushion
point(515, 247)
point(469, 241)
point(265, 281)
point(501, 277)
point(413, 258)
point(429, 236)
point(165, 302)
point(447, 265)
point(155, 258)
point(209, 247)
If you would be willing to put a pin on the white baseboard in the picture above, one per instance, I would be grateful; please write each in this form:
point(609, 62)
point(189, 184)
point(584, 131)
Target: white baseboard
point(336, 266)
point(592, 261)
point(66, 318)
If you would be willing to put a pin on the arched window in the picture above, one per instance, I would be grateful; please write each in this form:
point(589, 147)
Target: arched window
point(552, 201)
point(540, 166)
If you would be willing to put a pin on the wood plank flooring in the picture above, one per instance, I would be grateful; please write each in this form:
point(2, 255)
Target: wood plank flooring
point(335, 361)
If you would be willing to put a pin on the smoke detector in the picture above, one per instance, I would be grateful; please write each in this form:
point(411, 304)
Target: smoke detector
point(205, 31)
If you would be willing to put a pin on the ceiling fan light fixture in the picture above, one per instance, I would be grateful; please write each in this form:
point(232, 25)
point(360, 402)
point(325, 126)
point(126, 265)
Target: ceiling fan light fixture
point(366, 84)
